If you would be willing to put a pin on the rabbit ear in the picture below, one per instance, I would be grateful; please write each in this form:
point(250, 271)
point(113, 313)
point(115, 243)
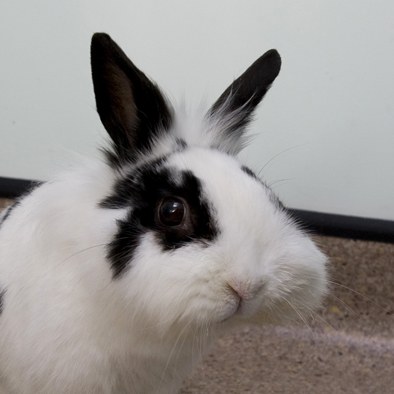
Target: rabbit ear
point(131, 107)
point(234, 108)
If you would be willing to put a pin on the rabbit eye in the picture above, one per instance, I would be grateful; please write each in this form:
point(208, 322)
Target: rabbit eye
point(171, 211)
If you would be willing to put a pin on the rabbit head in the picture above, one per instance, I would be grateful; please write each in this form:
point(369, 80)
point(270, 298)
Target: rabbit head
point(203, 241)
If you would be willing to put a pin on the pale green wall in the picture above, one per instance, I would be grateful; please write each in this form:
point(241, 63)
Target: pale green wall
point(328, 122)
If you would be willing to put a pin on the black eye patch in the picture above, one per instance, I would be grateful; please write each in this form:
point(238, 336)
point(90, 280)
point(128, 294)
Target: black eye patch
point(166, 202)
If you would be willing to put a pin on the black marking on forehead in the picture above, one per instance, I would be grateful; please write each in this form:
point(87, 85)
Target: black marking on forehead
point(2, 294)
point(142, 191)
point(127, 187)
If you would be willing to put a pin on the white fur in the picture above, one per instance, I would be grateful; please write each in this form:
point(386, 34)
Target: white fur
point(201, 129)
point(69, 327)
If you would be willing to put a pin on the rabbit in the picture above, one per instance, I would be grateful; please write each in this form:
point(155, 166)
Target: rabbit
point(117, 275)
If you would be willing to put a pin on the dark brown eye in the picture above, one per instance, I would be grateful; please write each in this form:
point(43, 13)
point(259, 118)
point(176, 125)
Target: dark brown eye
point(171, 211)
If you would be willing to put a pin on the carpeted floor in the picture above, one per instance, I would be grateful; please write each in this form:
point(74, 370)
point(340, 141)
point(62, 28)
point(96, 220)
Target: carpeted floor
point(348, 348)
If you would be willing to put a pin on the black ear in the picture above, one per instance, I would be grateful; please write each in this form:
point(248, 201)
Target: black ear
point(131, 107)
point(239, 100)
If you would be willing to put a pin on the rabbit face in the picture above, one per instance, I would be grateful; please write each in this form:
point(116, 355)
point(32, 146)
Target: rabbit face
point(229, 254)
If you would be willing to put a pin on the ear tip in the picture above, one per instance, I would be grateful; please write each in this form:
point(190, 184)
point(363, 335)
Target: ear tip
point(100, 39)
point(274, 57)
point(273, 53)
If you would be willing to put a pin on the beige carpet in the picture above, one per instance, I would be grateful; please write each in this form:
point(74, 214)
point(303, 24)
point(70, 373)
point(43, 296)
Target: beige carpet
point(348, 348)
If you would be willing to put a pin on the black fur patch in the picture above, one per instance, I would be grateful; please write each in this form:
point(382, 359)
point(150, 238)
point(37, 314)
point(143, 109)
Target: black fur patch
point(128, 186)
point(248, 171)
point(142, 191)
point(2, 293)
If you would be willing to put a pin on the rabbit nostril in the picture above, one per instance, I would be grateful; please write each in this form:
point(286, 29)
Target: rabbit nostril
point(244, 291)
point(234, 291)
point(239, 293)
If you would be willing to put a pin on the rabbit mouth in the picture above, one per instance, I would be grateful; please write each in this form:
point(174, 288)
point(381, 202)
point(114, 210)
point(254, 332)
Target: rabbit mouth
point(243, 300)
point(230, 316)
point(239, 309)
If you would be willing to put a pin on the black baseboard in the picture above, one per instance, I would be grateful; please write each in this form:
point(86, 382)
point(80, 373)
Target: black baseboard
point(317, 222)
point(13, 188)
point(346, 226)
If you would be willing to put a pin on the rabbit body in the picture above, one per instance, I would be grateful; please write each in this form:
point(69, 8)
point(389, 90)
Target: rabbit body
point(117, 276)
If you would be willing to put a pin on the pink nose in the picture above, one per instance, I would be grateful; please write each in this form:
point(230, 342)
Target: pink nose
point(244, 291)
point(237, 291)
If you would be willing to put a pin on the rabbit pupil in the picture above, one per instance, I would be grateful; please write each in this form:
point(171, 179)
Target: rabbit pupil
point(171, 212)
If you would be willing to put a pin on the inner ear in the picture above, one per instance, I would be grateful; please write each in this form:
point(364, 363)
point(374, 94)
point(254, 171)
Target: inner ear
point(131, 107)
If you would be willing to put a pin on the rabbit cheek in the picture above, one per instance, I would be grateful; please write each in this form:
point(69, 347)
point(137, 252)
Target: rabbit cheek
point(298, 282)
